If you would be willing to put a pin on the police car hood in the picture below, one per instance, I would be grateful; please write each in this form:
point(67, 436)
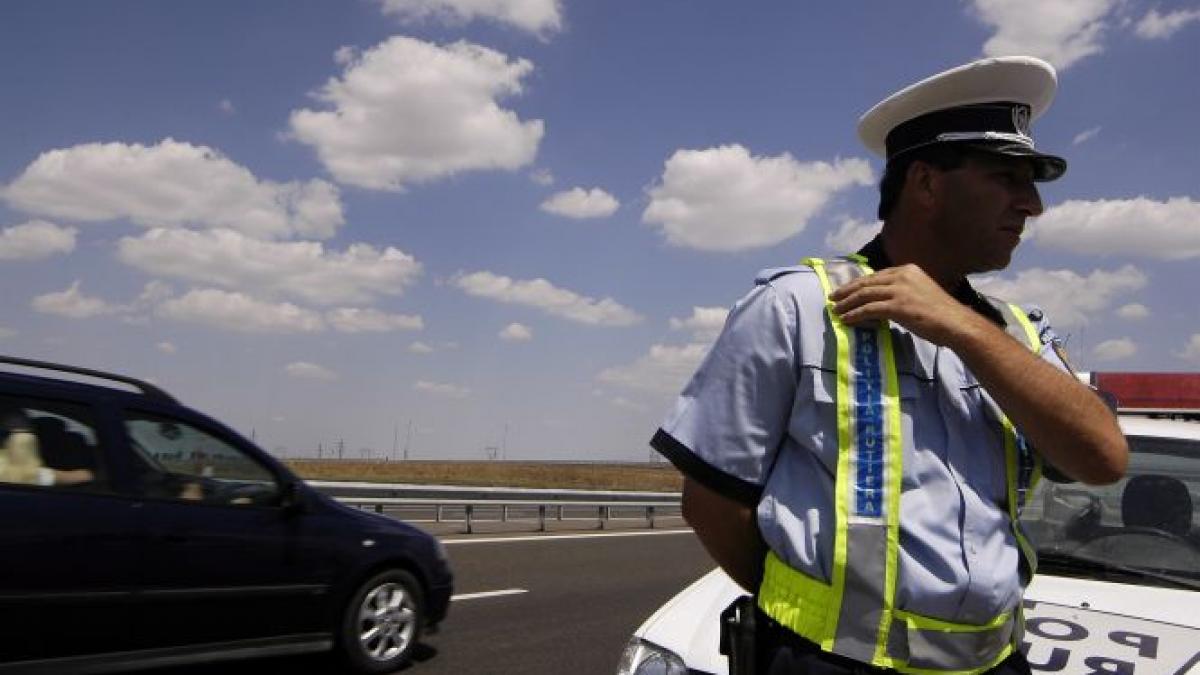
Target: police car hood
point(1082, 625)
point(688, 624)
point(1072, 626)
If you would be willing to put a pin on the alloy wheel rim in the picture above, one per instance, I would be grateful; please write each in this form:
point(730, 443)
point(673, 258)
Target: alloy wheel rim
point(387, 621)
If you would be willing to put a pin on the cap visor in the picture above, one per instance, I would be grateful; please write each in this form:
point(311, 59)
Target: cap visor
point(1045, 167)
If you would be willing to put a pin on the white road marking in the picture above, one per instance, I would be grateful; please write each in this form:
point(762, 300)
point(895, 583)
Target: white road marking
point(500, 540)
point(487, 594)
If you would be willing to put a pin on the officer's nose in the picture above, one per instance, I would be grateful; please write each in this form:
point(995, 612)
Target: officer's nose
point(1029, 200)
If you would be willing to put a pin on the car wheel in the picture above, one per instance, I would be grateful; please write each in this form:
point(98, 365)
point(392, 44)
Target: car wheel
point(382, 622)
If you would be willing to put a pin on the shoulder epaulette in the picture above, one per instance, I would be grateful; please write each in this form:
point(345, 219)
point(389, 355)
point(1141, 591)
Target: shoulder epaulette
point(772, 273)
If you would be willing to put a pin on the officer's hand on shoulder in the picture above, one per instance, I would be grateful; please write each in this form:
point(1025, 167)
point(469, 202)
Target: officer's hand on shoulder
point(906, 295)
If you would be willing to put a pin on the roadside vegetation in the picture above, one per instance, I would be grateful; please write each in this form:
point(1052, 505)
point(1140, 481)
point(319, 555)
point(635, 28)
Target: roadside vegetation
point(561, 475)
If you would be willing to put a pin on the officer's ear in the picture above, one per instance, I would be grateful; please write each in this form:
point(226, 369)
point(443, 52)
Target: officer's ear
point(922, 183)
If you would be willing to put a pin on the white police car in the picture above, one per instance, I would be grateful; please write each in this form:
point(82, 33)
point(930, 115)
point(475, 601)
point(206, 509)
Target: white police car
point(1117, 589)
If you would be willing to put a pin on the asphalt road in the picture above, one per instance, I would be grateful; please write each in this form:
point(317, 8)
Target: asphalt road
point(582, 595)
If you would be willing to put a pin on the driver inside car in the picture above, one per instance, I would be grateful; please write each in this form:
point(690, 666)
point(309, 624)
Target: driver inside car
point(20, 460)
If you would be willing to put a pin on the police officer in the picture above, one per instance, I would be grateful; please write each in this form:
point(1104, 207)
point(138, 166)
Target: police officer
point(858, 443)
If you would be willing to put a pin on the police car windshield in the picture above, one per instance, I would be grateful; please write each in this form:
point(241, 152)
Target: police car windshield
point(1147, 522)
point(1054, 562)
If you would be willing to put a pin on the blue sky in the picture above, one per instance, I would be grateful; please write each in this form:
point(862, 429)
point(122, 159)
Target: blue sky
point(460, 224)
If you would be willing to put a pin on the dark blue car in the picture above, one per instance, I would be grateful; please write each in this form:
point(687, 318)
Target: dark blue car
point(136, 532)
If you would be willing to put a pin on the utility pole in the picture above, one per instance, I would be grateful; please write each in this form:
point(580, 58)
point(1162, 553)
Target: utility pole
point(504, 443)
point(407, 440)
point(319, 451)
point(341, 447)
point(395, 438)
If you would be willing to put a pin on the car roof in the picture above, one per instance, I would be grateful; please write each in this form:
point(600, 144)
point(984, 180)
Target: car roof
point(65, 378)
point(1134, 425)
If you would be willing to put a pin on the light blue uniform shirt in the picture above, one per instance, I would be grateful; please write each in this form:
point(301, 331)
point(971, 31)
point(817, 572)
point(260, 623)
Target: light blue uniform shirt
point(757, 422)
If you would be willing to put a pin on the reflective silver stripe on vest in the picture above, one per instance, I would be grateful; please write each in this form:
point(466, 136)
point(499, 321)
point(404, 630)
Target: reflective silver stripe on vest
point(938, 650)
point(862, 615)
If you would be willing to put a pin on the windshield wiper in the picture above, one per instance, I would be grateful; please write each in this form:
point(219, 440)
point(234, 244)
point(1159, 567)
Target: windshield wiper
point(1072, 563)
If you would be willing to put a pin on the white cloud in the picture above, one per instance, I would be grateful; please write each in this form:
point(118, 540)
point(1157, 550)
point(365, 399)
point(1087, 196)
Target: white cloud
point(172, 184)
point(153, 293)
point(724, 199)
point(309, 371)
point(705, 323)
point(515, 332)
point(419, 347)
point(36, 240)
point(1059, 31)
point(240, 313)
point(547, 297)
point(1068, 298)
point(1155, 26)
point(664, 369)
point(542, 177)
point(72, 303)
point(226, 106)
point(1133, 311)
point(442, 389)
point(410, 111)
point(580, 203)
point(851, 235)
point(167, 347)
point(366, 320)
point(1115, 350)
point(300, 269)
point(6, 332)
point(540, 17)
point(1191, 352)
point(626, 404)
point(1167, 230)
point(1085, 136)
point(345, 55)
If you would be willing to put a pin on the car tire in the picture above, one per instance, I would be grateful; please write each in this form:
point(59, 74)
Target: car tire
point(382, 622)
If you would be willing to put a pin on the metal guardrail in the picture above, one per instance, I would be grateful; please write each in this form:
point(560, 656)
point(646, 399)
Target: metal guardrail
point(423, 491)
point(471, 507)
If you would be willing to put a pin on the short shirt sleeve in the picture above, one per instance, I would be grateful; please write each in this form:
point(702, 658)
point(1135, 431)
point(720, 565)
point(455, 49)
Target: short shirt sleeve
point(726, 427)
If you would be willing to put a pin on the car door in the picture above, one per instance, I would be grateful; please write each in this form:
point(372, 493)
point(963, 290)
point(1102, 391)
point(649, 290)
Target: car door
point(224, 558)
point(68, 539)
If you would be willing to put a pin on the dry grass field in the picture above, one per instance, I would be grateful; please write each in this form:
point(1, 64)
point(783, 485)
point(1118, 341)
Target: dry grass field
point(560, 475)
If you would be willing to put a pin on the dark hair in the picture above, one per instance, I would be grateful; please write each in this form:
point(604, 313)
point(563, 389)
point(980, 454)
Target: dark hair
point(944, 156)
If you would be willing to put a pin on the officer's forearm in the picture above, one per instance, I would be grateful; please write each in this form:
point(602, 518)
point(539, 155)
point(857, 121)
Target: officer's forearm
point(729, 532)
point(1061, 417)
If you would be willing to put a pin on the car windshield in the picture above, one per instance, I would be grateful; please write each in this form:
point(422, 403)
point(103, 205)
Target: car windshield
point(1144, 526)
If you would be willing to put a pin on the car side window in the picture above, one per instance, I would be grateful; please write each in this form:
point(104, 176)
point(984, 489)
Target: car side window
point(177, 460)
point(50, 444)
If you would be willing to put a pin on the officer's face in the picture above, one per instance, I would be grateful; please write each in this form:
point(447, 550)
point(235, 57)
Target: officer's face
point(981, 209)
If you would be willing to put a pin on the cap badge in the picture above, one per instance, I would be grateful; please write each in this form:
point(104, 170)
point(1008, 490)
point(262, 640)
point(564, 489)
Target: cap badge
point(1020, 118)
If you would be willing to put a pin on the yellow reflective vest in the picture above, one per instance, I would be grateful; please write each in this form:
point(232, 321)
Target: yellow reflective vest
point(854, 614)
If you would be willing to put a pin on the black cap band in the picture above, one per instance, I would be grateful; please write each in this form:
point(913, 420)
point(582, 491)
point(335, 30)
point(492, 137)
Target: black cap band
point(1000, 128)
point(1000, 122)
